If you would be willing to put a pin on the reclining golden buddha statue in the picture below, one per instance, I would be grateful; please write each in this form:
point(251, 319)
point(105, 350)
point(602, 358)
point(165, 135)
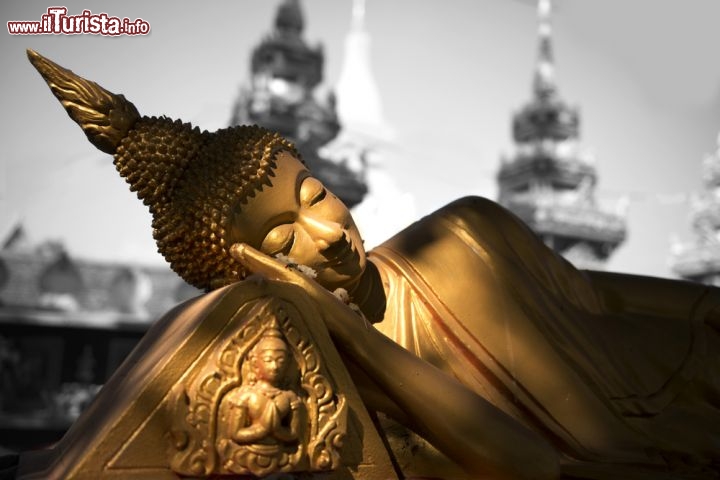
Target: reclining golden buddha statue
point(485, 343)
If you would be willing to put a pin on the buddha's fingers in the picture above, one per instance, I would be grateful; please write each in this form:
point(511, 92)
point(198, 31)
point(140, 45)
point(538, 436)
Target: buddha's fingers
point(273, 269)
point(257, 262)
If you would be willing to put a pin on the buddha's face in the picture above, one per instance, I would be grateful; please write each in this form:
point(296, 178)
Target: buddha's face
point(298, 217)
point(269, 363)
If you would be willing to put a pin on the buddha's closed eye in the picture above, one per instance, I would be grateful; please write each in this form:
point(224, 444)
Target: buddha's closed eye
point(312, 191)
point(279, 240)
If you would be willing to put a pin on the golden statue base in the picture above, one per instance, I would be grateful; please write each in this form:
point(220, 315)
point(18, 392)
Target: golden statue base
point(159, 416)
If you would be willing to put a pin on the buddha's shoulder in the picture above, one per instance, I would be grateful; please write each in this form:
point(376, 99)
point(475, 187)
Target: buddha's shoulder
point(466, 222)
point(475, 208)
point(471, 201)
point(471, 214)
point(241, 395)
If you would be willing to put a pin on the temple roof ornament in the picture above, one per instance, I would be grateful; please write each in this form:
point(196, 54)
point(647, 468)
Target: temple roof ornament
point(284, 53)
point(699, 259)
point(546, 115)
point(289, 18)
point(281, 96)
point(544, 81)
point(550, 179)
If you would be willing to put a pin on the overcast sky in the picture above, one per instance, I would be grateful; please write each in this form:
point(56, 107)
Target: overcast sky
point(645, 74)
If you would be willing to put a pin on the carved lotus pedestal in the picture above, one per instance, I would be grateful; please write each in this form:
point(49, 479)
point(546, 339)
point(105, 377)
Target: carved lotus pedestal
point(243, 382)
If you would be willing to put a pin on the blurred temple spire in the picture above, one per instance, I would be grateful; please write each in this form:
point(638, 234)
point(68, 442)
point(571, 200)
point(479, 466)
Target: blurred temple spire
point(282, 96)
point(550, 180)
point(359, 105)
point(365, 142)
point(358, 15)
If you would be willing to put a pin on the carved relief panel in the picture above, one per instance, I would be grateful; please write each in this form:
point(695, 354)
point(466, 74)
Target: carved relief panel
point(261, 402)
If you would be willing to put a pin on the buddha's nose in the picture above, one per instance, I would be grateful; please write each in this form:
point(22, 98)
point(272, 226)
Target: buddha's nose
point(325, 233)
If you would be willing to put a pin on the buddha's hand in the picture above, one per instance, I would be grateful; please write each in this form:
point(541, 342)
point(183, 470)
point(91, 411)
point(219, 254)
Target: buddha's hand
point(273, 269)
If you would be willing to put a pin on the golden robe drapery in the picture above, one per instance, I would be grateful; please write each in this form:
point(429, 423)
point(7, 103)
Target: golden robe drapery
point(611, 368)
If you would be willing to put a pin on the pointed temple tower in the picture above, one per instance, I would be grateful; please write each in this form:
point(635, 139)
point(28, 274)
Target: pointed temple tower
point(699, 260)
point(550, 180)
point(285, 73)
point(358, 98)
point(366, 139)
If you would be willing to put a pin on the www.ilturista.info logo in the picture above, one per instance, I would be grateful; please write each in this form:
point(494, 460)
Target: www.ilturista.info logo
point(57, 22)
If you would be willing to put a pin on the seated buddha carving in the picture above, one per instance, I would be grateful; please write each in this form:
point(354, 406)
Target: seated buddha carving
point(262, 419)
point(498, 352)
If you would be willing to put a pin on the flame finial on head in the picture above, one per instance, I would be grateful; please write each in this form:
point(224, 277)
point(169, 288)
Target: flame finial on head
point(104, 117)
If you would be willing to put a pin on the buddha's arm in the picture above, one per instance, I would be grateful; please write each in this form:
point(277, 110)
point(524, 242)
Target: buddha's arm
point(243, 434)
point(290, 433)
point(372, 394)
point(250, 434)
point(461, 424)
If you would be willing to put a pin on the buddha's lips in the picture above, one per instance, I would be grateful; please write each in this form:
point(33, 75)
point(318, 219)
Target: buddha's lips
point(339, 255)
